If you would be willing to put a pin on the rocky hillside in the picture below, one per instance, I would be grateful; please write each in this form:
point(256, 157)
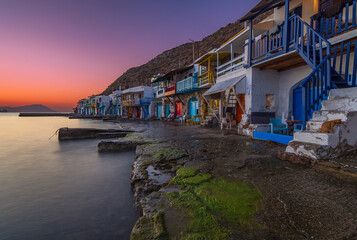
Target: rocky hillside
point(175, 57)
point(28, 108)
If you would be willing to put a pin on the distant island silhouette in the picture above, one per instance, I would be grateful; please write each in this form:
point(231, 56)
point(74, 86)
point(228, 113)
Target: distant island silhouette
point(27, 108)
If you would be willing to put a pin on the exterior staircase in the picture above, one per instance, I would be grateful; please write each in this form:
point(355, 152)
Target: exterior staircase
point(327, 95)
point(210, 120)
point(313, 144)
point(231, 100)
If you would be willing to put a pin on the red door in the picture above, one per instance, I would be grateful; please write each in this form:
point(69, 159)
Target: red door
point(239, 110)
point(138, 112)
point(178, 108)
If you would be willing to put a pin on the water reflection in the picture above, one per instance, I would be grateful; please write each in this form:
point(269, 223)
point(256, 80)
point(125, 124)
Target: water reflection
point(52, 190)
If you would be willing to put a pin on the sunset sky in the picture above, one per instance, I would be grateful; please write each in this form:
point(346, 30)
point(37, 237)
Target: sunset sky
point(56, 52)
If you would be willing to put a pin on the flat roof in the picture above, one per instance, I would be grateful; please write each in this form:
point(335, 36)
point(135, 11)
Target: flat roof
point(239, 37)
point(136, 89)
point(206, 55)
point(173, 72)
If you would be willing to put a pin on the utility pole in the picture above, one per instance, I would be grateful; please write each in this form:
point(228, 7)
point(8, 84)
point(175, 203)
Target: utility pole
point(193, 50)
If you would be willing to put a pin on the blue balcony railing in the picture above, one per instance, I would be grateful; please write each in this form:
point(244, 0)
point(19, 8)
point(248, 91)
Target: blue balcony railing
point(268, 43)
point(187, 85)
point(345, 20)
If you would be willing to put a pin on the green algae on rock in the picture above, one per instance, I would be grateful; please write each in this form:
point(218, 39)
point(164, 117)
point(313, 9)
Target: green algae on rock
point(194, 180)
point(150, 228)
point(186, 172)
point(169, 154)
point(215, 205)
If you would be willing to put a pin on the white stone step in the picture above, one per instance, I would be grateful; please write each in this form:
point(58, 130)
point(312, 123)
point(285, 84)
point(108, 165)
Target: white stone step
point(325, 139)
point(342, 104)
point(313, 151)
point(328, 115)
point(313, 126)
point(343, 93)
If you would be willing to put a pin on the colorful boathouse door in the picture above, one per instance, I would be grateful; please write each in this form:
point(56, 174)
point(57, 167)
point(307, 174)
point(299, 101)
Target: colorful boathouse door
point(167, 110)
point(178, 108)
point(239, 110)
point(159, 110)
point(297, 103)
point(193, 107)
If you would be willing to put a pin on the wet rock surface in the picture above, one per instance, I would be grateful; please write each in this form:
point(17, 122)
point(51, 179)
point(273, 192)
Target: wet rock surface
point(87, 133)
point(117, 146)
point(298, 202)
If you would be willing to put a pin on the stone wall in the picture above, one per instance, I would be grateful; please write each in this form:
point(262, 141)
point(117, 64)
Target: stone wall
point(184, 98)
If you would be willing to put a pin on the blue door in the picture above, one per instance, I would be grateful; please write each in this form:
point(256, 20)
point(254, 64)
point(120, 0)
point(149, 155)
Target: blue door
point(193, 107)
point(159, 110)
point(297, 103)
point(167, 110)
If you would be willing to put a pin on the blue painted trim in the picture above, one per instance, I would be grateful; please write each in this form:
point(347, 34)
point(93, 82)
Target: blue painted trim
point(283, 139)
point(250, 42)
point(268, 58)
point(286, 26)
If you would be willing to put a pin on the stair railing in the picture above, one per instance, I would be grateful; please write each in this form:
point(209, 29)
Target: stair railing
point(342, 56)
point(308, 43)
point(316, 51)
point(315, 88)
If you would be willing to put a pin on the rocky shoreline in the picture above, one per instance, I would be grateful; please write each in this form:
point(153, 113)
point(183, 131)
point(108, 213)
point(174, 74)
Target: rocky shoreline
point(199, 183)
point(196, 186)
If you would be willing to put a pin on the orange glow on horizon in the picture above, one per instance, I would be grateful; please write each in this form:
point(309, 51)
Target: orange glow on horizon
point(49, 75)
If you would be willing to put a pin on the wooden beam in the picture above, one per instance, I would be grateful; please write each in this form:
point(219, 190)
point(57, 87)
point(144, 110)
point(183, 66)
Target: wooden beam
point(240, 104)
point(282, 63)
point(180, 100)
point(170, 101)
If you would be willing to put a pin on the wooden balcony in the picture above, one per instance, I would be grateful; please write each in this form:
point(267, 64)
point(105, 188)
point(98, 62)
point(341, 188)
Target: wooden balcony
point(206, 79)
point(331, 26)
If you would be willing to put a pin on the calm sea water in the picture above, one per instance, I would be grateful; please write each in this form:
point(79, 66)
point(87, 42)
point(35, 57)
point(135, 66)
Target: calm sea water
point(61, 190)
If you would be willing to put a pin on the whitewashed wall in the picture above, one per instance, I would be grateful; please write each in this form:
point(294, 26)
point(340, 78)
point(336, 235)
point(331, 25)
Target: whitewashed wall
point(263, 82)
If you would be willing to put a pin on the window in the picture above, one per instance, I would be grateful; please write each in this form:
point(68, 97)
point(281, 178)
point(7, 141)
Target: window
point(297, 11)
point(269, 101)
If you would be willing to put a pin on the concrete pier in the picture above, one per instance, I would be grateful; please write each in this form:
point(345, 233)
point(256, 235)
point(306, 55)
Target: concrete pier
point(88, 133)
point(55, 114)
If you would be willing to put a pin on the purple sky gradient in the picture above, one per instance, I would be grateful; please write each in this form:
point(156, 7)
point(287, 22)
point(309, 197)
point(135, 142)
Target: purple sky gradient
point(55, 52)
